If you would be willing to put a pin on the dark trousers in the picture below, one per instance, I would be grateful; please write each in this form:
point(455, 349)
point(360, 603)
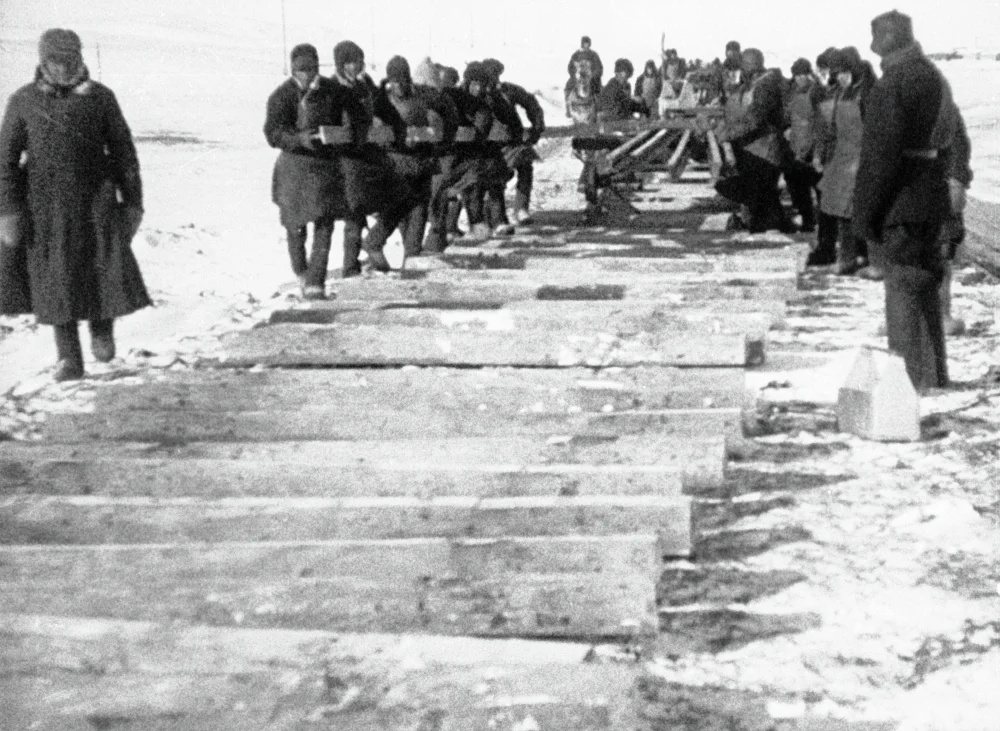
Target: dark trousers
point(415, 220)
point(525, 182)
point(756, 186)
point(801, 179)
point(314, 268)
point(485, 204)
point(850, 247)
point(913, 271)
point(386, 222)
point(67, 336)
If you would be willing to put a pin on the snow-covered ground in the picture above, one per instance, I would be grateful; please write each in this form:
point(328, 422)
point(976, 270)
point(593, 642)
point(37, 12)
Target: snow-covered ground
point(880, 541)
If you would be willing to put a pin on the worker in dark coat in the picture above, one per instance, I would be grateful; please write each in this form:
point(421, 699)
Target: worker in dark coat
point(307, 184)
point(70, 204)
point(417, 163)
point(800, 175)
point(371, 184)
point(445, 206)
point(855, 79)
point(901, 194)
point(616, 101)
point(754, 125)
point(520, 154)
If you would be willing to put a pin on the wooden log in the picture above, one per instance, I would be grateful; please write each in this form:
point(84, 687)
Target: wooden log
point(582, 587)
point(680, 119)
point(504, 345)
point(141, 520)
point(774, 309)
point(515, 389)
point(136, 670)
point(649, 145)
point(546, 316)
point(482, 289)
point(114, 468)
point(383, 421)
point(715, 154)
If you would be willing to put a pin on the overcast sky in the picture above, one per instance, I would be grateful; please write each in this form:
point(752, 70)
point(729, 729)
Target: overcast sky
point(532, 36)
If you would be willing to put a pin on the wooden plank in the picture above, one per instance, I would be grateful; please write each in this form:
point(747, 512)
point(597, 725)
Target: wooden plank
point(549, 316)
point(518, 389)
point(775, 309)
point(383, 421)
point(140, 520)
point(135, 670)
point(583, 587)
point(677, 119)
point(486, 291)
point(399, 345)
point(216, 478)
point(94, 468)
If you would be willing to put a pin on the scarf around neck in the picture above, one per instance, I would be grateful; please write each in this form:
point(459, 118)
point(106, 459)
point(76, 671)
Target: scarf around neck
point(80, 83)
point(908, 52)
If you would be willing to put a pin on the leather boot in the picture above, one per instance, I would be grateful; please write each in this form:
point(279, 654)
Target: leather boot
point(102, 340)
point(70, 364)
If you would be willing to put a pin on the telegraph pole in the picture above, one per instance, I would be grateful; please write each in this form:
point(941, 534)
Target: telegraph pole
point(284, 41)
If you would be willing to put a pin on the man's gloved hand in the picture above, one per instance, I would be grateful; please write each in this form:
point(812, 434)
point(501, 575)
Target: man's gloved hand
point(307, 140)
point(10, 230)
point(131, 220)
point(532, 136)
point(956, 191)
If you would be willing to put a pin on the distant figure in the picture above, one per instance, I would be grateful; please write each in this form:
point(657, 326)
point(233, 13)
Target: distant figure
point(616, 100)
point(584, 56)
point(822, 98)
point(68, 216)
point(581, 99)
point(800, 175)
point(854, 82)
point(901, 197)
point(647, 89)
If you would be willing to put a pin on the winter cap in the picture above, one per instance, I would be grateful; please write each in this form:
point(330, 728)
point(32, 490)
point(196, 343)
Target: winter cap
point(733, 46)
point(449, 76)
point(495, 67)
point(623, 64)
point(753, 57)
point(477, 72)
point(305, 50)
point(650, 64)
point(823, 59)
point(398, 69)
point(846, 59)
point(585, 40)
point(801, 67)
point(899, 23)
point(59, 44)
point(427, 73)
point(347, 52)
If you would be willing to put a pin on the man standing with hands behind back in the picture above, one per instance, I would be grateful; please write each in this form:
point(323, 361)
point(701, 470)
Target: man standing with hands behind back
point(901, 194)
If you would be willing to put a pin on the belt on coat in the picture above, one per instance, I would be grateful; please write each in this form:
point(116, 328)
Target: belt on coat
point(927, 154)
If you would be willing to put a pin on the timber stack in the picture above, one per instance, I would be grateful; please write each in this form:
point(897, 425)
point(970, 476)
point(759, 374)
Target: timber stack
point(379, 510)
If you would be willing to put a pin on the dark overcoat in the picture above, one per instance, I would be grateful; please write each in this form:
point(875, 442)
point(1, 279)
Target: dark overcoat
point(908, 118)
point(68, 166)
point(307, 183)
point(371, 183)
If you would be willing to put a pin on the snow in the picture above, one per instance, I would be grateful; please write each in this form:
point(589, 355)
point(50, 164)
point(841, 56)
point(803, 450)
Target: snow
point(193, 89)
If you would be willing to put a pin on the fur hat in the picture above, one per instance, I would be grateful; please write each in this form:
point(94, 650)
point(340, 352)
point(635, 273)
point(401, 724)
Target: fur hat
point(398, 69)
point(585, 40)
point(477, 72)
point(623, 64)
point(846, 59)
point(900, 24)
point(305, 50)
point(823, 59)
point(347, 52)
point(753, 56)
point(801, 67)
point(733, 46)
point(495, 67)
point(59, 44)
point(449, 76)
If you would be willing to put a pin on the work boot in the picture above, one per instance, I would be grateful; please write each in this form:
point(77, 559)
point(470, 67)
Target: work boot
point(872, 273)
point(69, 366)
point(503, 229)
point(522, 217)
point(313, 292)
point(102, 340)
point(478, 232)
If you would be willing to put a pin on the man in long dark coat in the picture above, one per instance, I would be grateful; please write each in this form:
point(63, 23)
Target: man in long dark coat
point(67, 219)
point(307, 184)
point(520, 153)
point(754, 123)
point(901, 194)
